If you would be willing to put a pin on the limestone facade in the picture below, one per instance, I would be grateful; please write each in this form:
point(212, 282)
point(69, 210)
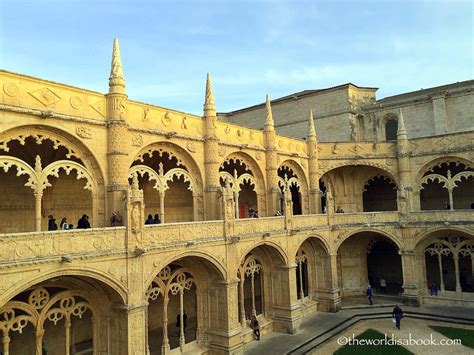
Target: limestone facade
point(352, 113)
point(332, 217)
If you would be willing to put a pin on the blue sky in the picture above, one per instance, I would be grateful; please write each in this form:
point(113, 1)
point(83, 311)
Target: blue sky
point(251, 47)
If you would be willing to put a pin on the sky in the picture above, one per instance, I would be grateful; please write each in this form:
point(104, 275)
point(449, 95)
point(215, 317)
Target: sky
point(251, 47)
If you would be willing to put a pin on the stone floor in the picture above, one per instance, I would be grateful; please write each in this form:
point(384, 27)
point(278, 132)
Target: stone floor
point(321, 329)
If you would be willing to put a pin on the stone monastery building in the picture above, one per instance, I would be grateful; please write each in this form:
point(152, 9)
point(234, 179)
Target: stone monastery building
point(366, 189)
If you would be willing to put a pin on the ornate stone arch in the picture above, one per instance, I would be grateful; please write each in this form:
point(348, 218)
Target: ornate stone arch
point(346, 235)
point(97, 275)
point(182, 156)
point(186, 168)
point(274, 246)
point(301, 181)
point(53, 169)
point(213, 260)
point(22, 168)
point(390, 173)
point(426, 237)
point(254, 170)
point(426, 167)
point(75, 148)
point(318, 238)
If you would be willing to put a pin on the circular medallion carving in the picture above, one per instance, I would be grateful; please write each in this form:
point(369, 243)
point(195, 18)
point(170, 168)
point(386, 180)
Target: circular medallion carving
point(10, 89)
point(75, 102)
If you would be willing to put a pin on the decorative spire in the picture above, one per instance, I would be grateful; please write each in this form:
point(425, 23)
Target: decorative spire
point(116, 79)
point(312, 130)
point(402, 133)
point(209, 105)
point(269, 124)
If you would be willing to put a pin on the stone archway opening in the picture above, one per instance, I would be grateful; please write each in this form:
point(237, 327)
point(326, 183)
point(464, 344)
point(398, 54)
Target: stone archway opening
point(244, 186)
point(447, 186)
point(350, 192)
point(448, 267)
point(62, 315)
point(170, 191)
point(286, 175)
point(369, 258)
point(181, 294)
point(380, 194)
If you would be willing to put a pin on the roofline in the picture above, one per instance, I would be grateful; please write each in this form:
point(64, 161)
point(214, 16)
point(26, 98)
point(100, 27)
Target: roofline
point(50, 82)
point(298, 95)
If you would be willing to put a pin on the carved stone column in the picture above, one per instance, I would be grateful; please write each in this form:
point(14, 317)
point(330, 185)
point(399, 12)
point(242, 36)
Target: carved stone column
point(38, 199)
point(410, 294)
point(225, 329)
point(330, 295)
point(286, 308)
point(271, 163)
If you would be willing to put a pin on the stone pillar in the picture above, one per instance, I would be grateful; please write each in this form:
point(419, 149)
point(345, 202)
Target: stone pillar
point(411, 295)
point(225, 330)
point(38, 199)
point(330, 296)
point(457, 274)
point(287, 313)
point(118, 145)
point(211, 157)
point(439, 113)
point(271, 163)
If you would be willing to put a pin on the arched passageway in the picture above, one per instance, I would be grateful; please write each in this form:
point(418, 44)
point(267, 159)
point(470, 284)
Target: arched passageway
point(62, 315)
point(180, 294)
point(368, 258)
point(360, 189)
point(259, 291)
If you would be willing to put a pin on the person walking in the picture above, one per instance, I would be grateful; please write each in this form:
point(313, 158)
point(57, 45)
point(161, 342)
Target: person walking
point(256, 327)
point(383, 285)
point(397, 313)
point(149, 220)
point(369, 294)
point(52, 226)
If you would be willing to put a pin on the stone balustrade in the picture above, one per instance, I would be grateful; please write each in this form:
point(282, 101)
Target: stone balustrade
point(88, 243)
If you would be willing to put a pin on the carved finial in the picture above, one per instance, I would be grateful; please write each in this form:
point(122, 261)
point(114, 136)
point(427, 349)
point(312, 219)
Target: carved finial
point(38, 167)
point(135, 186)
point(312, 130)
point(161, 171)
point(227, 183)
point(402, 133)
point(269, 124)
point(209, 105)
point(116, 79)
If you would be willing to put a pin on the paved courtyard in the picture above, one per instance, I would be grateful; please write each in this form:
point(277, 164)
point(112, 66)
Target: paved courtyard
point(319, 332)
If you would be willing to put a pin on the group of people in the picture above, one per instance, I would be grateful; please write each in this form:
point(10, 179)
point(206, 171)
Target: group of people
point(82, 223)
point(253, 213)
point(153, 220)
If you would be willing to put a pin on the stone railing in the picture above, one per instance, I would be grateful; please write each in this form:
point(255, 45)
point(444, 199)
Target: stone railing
point(367, 218)
point(177, 233)
point(25, 246)
point(258, 225)
point(82, 243)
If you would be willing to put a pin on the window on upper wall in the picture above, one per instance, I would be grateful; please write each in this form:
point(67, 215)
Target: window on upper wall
point(391, 127)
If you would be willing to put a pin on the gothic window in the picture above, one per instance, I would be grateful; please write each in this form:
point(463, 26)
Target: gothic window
point(391, 127)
